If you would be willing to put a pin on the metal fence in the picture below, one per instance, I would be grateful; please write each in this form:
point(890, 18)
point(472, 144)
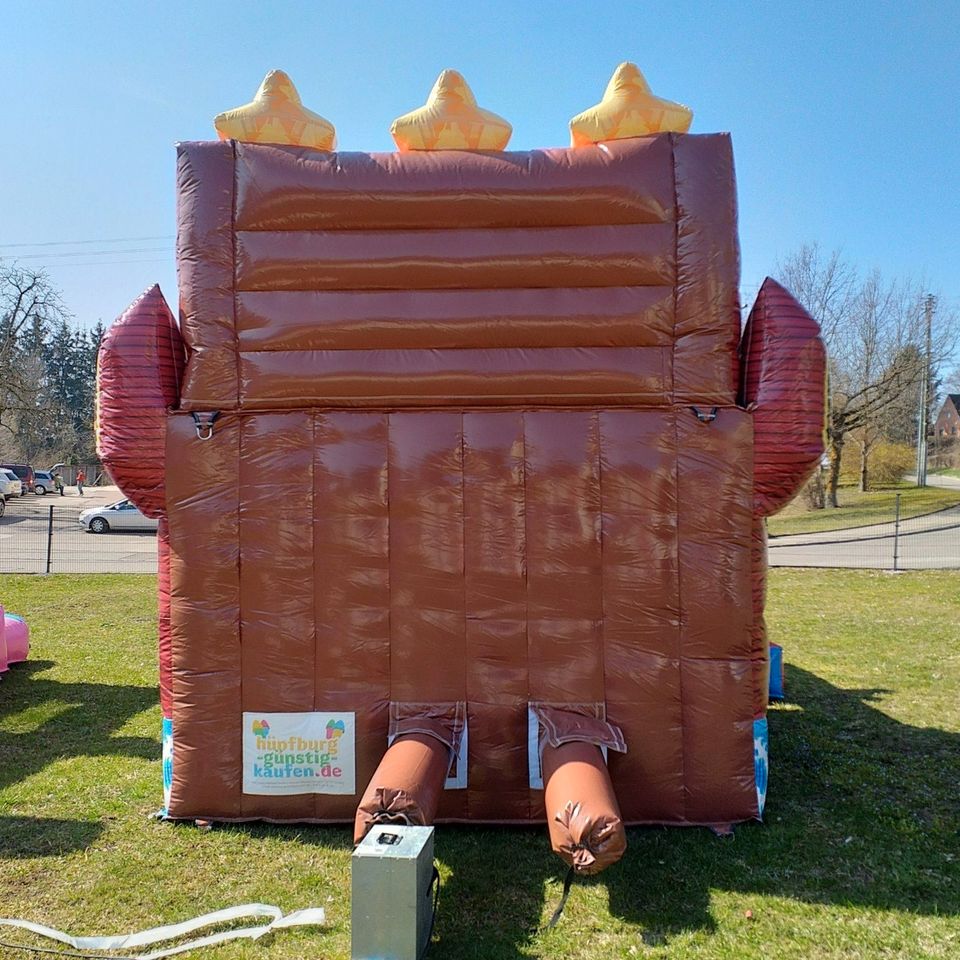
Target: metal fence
point(927, 542)
point(44, 535)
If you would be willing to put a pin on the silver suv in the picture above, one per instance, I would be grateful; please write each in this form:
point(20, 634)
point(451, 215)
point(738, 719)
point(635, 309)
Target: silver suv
point(42, 482)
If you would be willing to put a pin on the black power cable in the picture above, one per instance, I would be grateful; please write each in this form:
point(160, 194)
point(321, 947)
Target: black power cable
point(567, 881)
point(435, 886)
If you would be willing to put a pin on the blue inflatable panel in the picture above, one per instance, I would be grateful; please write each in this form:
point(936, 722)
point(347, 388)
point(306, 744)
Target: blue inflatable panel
point(761, 762)
point(166, 735)
point(776, 672)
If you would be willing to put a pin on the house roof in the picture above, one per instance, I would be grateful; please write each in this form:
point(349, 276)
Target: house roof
point(953, 398)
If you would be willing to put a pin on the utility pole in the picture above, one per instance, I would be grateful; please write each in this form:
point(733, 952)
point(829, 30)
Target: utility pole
point(928, 305)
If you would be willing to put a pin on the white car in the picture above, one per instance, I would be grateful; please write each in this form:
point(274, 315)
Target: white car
point(122, 515)
point(10, 484)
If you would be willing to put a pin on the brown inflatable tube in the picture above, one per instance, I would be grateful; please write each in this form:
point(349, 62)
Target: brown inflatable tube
point(406, 787)
point(582, 810)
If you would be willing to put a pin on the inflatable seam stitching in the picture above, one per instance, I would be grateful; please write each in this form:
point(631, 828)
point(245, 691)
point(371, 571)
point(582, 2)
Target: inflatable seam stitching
point(314, 450)
point(526, 576)
point(684, 791)
point(463, 583)
point(234, 268)
point(386, 460)
point(603, 618)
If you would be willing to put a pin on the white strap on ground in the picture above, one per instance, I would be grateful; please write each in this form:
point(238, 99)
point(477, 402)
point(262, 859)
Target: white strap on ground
point(313, 916)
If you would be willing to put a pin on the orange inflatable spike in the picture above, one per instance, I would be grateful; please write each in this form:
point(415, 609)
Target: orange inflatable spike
point(450, 120)
point(628, 109)
point(276, 115)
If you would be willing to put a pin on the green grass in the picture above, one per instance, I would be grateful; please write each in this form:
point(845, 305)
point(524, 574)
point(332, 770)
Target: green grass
point(859, 856)
point(859, 509)
point(947, 472)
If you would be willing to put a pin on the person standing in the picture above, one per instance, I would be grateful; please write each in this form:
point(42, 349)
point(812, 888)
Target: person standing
point(58, 482)
point(81, 479)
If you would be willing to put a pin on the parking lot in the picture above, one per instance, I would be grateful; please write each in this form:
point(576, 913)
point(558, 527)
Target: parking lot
point(42, 535)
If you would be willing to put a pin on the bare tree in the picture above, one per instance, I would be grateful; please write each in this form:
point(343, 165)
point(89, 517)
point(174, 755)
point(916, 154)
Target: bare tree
point(29, 305)
point(951, 382)
point(873, 329)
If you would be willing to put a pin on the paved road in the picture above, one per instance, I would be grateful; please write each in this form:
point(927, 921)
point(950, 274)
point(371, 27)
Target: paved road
point(930, 542)
point(937, 480)
point(25, 537)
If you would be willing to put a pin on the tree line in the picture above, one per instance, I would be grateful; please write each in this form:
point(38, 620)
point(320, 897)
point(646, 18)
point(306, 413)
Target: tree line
point(47, 373)
point(874, 328)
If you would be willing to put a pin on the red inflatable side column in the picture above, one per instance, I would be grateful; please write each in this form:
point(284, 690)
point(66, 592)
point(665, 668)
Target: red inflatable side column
point(407, 785)
point(163, 617)
point(783, 381)
point(139, 371)
point(582, 810)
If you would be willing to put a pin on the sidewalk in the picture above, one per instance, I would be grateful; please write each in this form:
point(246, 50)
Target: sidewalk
point(30, 504)
point(948, 517)
point(937, 480)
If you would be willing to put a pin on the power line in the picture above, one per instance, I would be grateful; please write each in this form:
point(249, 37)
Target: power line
point(107, 263)
point(76, 243)
point(88, 253)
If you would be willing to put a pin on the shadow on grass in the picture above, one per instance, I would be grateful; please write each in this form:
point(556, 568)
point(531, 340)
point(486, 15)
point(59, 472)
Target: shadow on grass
point(28, 837)
point(862, 811)
point(42, 721)
point(492, 901)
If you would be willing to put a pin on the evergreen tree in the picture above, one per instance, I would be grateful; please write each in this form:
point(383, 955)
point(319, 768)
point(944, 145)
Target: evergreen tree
point(47, 373)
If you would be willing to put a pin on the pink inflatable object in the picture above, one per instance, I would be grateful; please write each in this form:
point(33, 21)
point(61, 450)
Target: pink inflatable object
point(14, 639)
point(17, 637)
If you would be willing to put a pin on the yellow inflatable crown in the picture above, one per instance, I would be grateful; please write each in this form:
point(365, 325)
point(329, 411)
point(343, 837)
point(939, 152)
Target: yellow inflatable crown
point(276, 115)
point(628, 109)
point(450, 120)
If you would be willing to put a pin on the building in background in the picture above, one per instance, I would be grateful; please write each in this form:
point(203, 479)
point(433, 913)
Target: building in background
point(948, 419)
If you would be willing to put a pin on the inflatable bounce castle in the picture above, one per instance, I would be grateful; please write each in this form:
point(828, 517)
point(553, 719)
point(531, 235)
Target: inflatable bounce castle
point(461, 461)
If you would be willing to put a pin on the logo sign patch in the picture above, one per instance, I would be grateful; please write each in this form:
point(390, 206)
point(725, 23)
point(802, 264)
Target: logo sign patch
point(290, 753)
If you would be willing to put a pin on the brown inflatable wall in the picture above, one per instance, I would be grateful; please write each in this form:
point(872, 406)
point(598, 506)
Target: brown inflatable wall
point(478, 449)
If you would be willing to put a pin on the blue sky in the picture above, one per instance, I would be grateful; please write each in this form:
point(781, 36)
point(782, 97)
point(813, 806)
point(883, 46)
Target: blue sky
point(844, 115)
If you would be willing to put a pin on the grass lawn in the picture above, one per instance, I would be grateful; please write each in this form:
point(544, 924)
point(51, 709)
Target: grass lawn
point(859, 856)
point(948, 473)
point(859, 509)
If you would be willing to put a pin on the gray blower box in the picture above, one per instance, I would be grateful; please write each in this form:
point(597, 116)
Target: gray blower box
point(392, 869)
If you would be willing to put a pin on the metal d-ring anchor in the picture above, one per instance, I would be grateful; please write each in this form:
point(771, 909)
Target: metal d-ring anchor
point(705, 416)
point(204, 423)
